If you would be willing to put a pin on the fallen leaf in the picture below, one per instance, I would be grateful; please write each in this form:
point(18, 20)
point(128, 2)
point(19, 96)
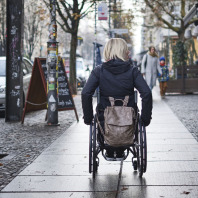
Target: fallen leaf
point(1, 164)
point(185, 192)
point(124, 188)
point(27, 156)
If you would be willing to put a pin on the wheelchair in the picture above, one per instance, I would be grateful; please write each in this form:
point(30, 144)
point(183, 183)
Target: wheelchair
point(138, 148)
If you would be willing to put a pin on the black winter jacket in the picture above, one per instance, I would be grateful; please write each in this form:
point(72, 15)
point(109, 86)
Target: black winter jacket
point(117, 79)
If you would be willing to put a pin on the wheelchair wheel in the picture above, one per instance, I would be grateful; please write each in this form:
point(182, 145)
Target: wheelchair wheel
point(90, 147)
point(144, 148)
point(93, 164)
point(141, 149)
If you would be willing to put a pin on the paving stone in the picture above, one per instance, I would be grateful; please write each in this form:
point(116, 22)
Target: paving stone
point(60, 195)
point(106, 183)
point(158, 191)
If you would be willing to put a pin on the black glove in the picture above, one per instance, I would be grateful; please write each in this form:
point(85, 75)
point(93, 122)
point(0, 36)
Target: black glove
point(145, 122)
point(87, 123)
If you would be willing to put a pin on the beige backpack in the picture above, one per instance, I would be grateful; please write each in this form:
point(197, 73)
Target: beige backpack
point(119, 123)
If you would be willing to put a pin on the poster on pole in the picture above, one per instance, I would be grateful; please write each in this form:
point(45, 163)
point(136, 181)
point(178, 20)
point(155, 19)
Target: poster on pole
point(102, 11)
point(37, 92)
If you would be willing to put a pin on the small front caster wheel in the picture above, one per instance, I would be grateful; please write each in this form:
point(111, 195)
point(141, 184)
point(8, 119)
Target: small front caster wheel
point(135, 165)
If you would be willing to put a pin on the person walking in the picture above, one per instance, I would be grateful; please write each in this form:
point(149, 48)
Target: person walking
point(150, 67)
point(116, 78)
point(163, 78)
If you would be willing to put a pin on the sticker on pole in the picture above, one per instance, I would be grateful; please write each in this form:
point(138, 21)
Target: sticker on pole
point(51, 87)
point(53, 107)
point(102, 11)
point(52, 99)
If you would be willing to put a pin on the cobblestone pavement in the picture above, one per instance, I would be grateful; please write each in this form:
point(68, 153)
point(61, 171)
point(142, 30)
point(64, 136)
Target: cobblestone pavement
point(185, 108)
point(23, 143)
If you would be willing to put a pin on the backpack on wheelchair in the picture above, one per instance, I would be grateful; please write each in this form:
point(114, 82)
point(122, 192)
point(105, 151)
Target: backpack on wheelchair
point(116, 147)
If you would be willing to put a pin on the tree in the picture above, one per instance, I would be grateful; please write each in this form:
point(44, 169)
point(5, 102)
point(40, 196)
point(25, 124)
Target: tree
point(2, 28)
point(70, 13)
point(161, 9)
point(123, 18)
point(34, 16)
point(170, 15)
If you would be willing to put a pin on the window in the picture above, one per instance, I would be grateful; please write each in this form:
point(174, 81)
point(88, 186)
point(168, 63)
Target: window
point(79, 65)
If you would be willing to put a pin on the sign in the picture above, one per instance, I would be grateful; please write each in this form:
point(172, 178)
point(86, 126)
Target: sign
point(37, 92)
point(102, 11)
point(120, 31)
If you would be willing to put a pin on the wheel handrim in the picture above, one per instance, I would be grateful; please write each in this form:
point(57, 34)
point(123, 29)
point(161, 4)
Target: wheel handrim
point(140, 151)
point(90, 148)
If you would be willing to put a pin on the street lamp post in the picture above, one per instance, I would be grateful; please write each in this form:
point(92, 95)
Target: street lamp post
point(109, 19)
point(52, 66)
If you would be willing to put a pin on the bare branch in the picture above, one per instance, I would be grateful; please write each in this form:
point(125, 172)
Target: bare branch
point(66, 8)
point(83, 14)
point(182, 11)
point(63, 28)
point(191, 22)
point(82, 5)
point(64, 18)
point(174, 17)
point(158, 15)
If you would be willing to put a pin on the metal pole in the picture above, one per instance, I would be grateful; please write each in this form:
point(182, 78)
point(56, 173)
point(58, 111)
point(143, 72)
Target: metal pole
point(52, 66)
point(14, 75)
point(109, 18)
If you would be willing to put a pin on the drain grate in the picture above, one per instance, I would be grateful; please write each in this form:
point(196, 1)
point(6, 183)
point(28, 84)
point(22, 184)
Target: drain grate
point(3, 155)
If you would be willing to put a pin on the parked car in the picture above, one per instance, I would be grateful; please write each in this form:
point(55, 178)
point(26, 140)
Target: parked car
point(80, 70)
point(27, 72)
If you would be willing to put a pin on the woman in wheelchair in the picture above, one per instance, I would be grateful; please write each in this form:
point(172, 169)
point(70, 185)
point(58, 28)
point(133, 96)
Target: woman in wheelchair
point(116, 78)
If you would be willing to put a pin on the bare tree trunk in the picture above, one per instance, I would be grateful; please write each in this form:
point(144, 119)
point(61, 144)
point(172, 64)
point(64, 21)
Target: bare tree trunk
point(72, 75)
point(181, 35)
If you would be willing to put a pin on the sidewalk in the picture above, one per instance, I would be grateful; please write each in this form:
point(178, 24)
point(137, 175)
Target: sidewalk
point(61, 171)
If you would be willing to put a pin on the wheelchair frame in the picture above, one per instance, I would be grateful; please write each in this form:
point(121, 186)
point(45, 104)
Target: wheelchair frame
point(138, 148)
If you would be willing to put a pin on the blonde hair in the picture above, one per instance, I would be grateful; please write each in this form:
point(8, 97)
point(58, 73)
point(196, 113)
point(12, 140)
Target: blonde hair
point(116, 48)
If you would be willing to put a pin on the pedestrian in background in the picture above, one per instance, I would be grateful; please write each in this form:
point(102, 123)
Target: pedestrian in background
point(135, 62)
point(150, 67)
point(164, 77)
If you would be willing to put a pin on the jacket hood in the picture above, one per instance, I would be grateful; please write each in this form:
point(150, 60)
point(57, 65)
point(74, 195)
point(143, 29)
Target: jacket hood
point(117, 66)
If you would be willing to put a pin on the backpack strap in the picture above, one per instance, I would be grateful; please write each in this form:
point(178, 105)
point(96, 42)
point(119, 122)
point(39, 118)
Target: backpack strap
point(125, 101)
point(101, 129)
point(112, 101)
